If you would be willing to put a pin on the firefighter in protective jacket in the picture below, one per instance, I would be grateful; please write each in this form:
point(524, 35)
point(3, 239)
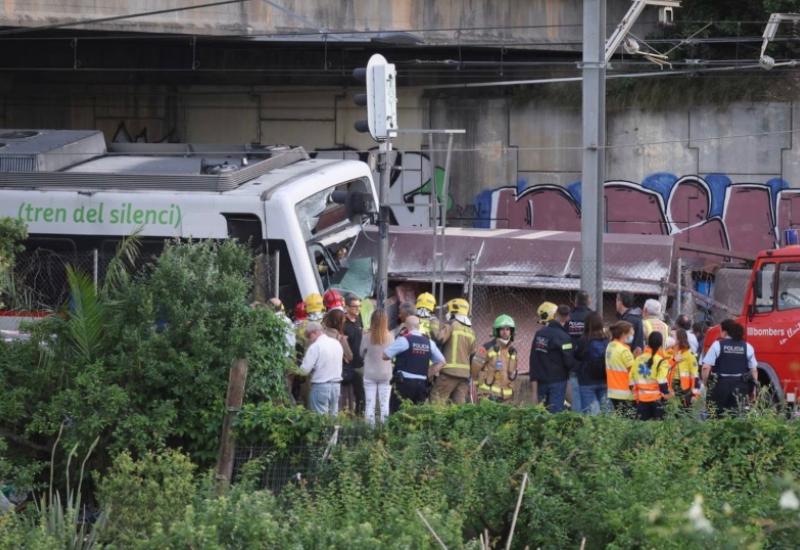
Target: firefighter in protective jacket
point(428, 323)
point(494, 366)
point(458, 345)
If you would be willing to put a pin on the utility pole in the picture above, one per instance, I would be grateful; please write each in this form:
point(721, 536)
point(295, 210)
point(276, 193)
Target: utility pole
point(383, 223)
point(596, 55)
point(380, 100)
point(594, 142)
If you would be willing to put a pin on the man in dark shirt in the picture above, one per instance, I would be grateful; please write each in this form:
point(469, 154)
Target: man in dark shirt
point(626, 312)
point(551, 360)
point(353, 330)
point(577, 319)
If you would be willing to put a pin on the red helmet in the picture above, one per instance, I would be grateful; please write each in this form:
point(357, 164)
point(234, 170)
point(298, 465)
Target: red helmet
point(333, 300)
point(300, 311)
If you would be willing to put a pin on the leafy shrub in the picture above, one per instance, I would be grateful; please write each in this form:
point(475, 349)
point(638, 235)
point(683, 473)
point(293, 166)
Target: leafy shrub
point(138, 494)
point(143, 365)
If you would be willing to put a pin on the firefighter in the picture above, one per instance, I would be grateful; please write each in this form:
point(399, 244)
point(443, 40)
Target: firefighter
point(733, 363)
point(332, 299)
point(458, 339)
point(552, 356)
point(649, 379)
point(311, 311)
point(314, 309)
point(494, 366)
point(428, 324)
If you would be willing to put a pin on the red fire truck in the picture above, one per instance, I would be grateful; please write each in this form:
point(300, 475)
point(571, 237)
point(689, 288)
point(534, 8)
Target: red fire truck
point(771, 317)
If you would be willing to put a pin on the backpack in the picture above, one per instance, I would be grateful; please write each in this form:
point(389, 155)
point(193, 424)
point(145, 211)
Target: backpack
point(595, 366)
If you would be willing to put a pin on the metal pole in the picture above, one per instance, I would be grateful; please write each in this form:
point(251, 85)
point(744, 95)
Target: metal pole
point(471, 281)
point(594, 141)
point(679, 290)
point(434, 212)
point(383, 225)
point(443, 209)
point(277, 271)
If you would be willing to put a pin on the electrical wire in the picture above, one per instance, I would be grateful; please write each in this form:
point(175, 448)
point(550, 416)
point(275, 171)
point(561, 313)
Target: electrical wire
point(21, 30)
point(512, 148)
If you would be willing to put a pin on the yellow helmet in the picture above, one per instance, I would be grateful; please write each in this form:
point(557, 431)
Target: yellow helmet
point(426, 301)
point(546, 312)
point(458, 306)
point(314, 303)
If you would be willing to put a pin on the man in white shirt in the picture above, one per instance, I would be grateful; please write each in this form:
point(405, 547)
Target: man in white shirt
point(323, 359)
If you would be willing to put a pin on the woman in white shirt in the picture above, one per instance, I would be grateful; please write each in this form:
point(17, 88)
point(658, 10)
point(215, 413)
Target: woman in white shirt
point(377, 371)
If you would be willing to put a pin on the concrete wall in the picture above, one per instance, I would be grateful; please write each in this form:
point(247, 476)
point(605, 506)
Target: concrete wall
point(499, 21)
point(722, 175)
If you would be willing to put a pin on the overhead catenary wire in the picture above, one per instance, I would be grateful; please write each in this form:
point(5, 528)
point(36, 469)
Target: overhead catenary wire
point(120, 17)
point(631, 145)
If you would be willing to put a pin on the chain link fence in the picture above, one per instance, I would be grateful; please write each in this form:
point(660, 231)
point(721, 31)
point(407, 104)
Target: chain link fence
point(274, 467)
point(39, 281)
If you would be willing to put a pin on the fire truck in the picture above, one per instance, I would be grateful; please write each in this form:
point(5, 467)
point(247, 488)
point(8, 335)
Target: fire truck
point(771, 317)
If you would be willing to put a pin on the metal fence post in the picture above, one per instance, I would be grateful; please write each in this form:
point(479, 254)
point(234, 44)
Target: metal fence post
point(679, 289)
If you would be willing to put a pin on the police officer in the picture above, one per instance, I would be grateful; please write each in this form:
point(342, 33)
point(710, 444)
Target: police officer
point(577, 317)
point(416, 358)
point(459, 343)
point(733, 362)
point(577, 320)
point(428, 324)
point(552, 356)
point(494, 366)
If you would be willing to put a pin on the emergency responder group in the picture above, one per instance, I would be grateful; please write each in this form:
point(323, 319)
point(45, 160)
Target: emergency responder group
point(635, 365)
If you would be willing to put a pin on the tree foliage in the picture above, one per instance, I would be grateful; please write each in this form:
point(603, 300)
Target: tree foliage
point(12, 232)
point(143, 363)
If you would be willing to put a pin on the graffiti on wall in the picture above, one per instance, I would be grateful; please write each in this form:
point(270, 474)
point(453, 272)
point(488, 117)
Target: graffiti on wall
point(710, 210)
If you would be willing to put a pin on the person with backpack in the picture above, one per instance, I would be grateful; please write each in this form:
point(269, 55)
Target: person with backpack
point(591, 356)
point(649, 379)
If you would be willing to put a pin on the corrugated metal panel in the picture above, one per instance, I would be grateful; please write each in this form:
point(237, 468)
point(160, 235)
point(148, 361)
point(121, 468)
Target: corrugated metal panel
point(526, 259)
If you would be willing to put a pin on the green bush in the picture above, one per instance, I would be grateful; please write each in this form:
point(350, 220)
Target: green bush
point(143, 365)
point(610, 481)
point(139, 494)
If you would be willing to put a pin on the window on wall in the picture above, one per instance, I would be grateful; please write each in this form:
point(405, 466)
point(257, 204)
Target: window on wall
point(764, 288)
point(789, 286)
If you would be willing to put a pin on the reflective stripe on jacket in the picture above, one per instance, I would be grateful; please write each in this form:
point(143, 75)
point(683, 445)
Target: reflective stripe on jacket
point(494, 367)
point(657, 325)
point(686, 370)
point(647, 378)
point(619, 361)
point(459, 345)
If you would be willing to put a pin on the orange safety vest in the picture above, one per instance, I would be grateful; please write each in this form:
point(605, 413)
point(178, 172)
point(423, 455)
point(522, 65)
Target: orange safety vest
point(619, 361)
point(645, 379)
point(685, 370)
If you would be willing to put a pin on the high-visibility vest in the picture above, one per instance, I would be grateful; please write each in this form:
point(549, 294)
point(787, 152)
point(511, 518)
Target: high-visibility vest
point(619, 361)
point(647, 378)
point(650, 325)
point(686, 370)
point(458, 349)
